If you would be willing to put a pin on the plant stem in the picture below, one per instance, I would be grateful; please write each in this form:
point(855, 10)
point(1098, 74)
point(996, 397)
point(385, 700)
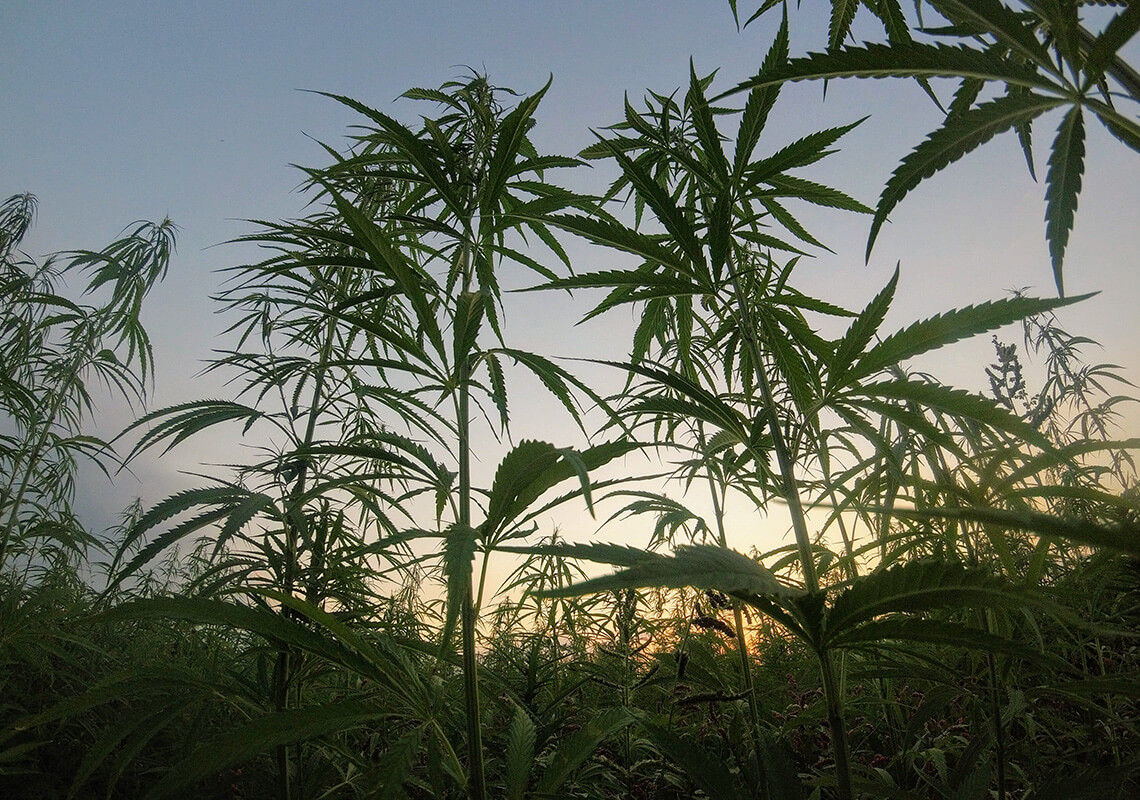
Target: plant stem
point(783, 455)
point(294, 520)
point(840, 748)
point(738, 614)
point(832, 693)
point(476, 779)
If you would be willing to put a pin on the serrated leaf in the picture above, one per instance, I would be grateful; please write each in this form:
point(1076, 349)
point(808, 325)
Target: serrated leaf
point(800, 153)
point(812, 192)
point(941, 632)
point(613, 234)
point(956, 402)
point(862, 330)
point(942, 329)
point(559, 382)
point(699, 566)
point(219, 502)
point(1118, 32)
point(510, 140)
point(263, 734)
point(468, 317)
point(579, 747)
point(839, 25)
point(175, 424)
point(1124, 538)
point(519, 754)
point(708, 774)
point(959, 135)
point(920, 586)
point(1001, 22)
point(759, 104)
point(459, 545)
point(912, 60)
point(531, 469)
point(1063, 182)
point(395, 765)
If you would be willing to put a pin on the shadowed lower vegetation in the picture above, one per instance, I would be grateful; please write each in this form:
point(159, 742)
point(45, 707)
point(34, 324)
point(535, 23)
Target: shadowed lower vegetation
point(956, 615)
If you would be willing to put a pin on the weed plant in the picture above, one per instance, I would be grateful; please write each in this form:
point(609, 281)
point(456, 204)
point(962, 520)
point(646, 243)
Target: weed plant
point(956, 617)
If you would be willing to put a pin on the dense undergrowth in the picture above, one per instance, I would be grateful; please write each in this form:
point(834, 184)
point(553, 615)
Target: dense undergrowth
point(956, 618)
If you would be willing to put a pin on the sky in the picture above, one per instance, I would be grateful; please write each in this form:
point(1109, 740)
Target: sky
point(119, 111)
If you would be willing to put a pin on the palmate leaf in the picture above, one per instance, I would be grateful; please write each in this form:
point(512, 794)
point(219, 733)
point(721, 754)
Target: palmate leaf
point(1001, 22)
point(959, 135)
point(942, 329)
point(510, 141)
point(710, 775)
point(423, 156)
point(1123, 537)
point(531, 469)
point(574, 752)
point(811, 192)
point(394, 767)
point(924, 585)
point(955, 402)
point(559, 382)
point(699, 566)
point(880, 410)
point(1086, 494)
point(635, 285)
point(261, 735)
point(321, 635)
point(759, 105)
point(1028, 466)
point(664, 207)
point(913, 60)
point(177, 423)
point(731, 424)
point(218, 504)
point(702, 403)
point(800, 153)
point(242, 514)
point(382, 660)
point(1066, 165)
point(519, 480)
point(258, 620)
point(611, 233)
point(668, 514)
point(939, 632)
point(387, 257)
point(708, 137)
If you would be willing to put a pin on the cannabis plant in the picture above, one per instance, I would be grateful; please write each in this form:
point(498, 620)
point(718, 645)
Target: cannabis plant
point(56, 353)
point(1036, 56)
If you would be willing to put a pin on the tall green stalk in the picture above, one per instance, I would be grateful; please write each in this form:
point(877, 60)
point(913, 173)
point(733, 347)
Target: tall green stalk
point(468, 615)
point(832, 691)
point(288, 774)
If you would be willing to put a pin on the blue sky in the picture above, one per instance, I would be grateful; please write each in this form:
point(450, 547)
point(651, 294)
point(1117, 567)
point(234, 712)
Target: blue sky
point(117, 111)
